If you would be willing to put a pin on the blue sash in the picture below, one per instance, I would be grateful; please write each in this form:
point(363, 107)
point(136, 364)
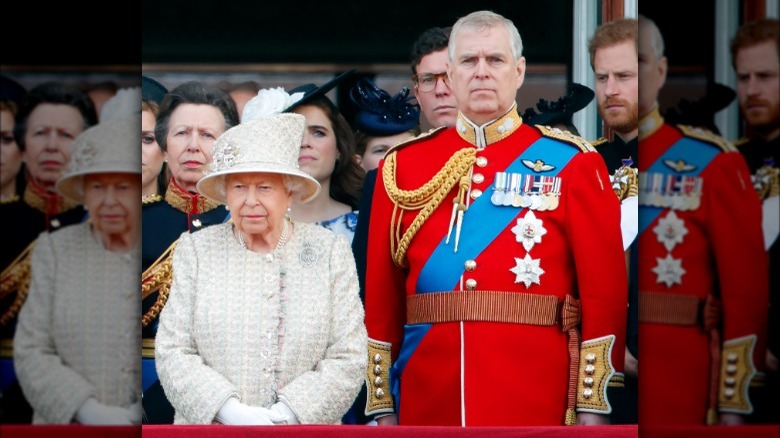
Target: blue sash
point(694, 152)
point(483, 221)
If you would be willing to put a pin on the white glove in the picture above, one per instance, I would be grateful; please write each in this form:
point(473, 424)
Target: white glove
point(283, 414)
point(92, 412)
point(236, 413)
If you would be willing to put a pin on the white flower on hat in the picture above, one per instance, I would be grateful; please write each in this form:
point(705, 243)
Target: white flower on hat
point(269, 101)
point(125, 102)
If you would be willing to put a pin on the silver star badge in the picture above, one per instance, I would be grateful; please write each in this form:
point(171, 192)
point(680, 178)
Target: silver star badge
point(670, 230)
point(529, 230)
point(669, 270)
point(527, 270)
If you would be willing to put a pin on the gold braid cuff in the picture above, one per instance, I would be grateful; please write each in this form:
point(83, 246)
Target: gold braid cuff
point(596, 371)
point(158, 278)
point(379, 399)
point(16, 277)
point(426, 198)
point(736, 372)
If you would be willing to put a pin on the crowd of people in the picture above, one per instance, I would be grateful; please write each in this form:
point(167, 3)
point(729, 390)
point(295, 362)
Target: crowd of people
point(297, 267)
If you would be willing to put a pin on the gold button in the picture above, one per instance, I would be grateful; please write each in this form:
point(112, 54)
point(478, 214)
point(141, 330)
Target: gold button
point(378, 381)
point(482, 161)
point(588, 381)
point(55, 223)
point(590, 369)
point(730, 381)
point(471, 284)
point(587, 393)
point(731, 369)
point(470, 265)
point(729, 392)
point(196, 223)
point(377, 359)
point(732, 358)
point(476, 193)
point(590, 358)
point(377, 370)
point(379, 393)
point(478, 178)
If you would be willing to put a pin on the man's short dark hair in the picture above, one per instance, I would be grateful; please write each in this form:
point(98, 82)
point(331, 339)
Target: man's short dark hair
point(432, 40)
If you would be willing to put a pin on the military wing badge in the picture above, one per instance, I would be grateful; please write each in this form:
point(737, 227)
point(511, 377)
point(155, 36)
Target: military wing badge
point(679, 166)
point(538, 166)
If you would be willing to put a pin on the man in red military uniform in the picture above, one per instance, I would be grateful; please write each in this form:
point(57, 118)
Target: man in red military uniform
point(703, 281)
point(495, 287)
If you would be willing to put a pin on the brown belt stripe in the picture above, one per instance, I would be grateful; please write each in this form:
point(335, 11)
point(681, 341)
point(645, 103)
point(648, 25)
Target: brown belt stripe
point(664, 308)
point(492, 306)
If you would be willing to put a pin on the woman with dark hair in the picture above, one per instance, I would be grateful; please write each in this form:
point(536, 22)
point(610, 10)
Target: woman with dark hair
point(49, 118)
point(190, 119)
point(327, 153)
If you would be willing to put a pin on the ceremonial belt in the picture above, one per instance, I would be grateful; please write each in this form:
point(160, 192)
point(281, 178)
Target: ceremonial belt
point(676, 309)
point(689, 310)
point(492, 306)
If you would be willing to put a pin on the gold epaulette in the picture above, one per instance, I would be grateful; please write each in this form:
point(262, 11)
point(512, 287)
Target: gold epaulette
point(157, 278)
point(424, 135)
point(596, 372)
point(740, 142)
point(16, 278)
point(625, 182)
point(378, 400)
point(566, 137)
point(707, 136)
point(599, 141)
point(736, 373)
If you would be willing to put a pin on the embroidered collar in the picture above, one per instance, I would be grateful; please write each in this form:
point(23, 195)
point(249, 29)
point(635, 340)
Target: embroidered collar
point(46, 202)
point(190, 203)
point(490, 132)
point(151, 199)
point(9, 199)
point(650, 123)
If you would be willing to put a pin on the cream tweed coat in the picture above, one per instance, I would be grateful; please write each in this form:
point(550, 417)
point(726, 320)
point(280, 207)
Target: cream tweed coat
point(234, 326)
point(78, 334)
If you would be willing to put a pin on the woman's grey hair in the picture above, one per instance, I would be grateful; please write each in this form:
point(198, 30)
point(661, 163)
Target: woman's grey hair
point(481, 21)
point(657, 39)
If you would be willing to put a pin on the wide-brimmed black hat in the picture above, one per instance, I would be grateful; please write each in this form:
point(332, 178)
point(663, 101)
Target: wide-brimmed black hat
point(561, 110)
point(10, 90)
point(701, 112)
point(380, 113)
point(152, 90)
point(312, 91)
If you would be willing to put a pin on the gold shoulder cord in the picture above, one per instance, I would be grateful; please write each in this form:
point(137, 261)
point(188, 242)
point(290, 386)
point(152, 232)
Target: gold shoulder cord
point(157, 277)
point(16, 277)
point(426, 198)
point(626, 182)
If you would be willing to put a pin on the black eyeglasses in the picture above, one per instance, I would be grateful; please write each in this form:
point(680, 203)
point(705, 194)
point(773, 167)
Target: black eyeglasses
point(426, 82)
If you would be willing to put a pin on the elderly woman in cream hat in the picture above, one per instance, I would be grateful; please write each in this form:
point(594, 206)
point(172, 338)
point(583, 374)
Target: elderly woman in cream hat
point(77, 340)
point(264, 324)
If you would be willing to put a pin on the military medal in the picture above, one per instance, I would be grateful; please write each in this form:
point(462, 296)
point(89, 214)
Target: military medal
point(669, 270)
point(529, 230)
point(527, 271)
point(497, 198)
point(670, 230)
point(514, 184)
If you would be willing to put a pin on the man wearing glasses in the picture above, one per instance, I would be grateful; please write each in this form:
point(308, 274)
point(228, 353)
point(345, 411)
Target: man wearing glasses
point(431, 85)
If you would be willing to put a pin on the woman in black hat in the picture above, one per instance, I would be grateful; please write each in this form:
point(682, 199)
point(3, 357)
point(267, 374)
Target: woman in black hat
point(382, 121)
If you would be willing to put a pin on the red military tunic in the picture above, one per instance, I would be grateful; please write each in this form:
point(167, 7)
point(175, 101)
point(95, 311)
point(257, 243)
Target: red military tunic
point(459, 338)
point(700, 236)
